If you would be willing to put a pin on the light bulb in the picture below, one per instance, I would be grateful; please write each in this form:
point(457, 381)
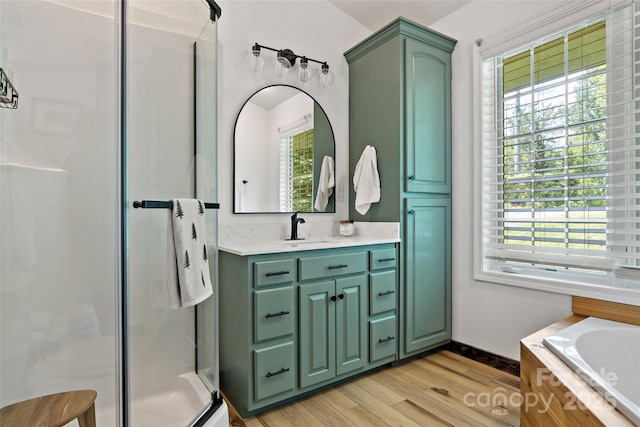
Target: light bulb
point(303, 72)
point(280, 70)
point(256, 61)
point(326, 76)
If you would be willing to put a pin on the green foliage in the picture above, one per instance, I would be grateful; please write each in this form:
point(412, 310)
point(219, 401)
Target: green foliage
point(302, 166)
point(554, 161)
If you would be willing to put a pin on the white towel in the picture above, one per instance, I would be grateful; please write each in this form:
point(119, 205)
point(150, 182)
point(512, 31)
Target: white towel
point(366, 181)
point(326, 183)
point(188, 280)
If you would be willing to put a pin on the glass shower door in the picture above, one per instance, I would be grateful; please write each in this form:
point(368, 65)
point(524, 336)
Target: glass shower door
point(205, 69)
point(163, 386)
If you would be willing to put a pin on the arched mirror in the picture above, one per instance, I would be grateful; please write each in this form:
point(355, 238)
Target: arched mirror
point(284, 150)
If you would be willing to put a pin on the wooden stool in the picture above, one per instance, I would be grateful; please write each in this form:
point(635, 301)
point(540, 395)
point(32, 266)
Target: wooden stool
point(54, 410)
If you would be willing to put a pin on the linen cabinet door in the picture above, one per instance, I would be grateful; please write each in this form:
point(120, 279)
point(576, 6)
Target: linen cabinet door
point(351, 323)
point(427, 287)
point(428, 118)
point(317, 332)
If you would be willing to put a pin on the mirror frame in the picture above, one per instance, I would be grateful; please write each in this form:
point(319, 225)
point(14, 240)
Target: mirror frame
point(235, 126)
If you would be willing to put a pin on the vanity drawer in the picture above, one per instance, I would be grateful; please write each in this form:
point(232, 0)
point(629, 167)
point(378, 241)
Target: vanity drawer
point(273, 272)
point(382, 258)
point(274, 371)
point(382, 292)
point(332, 265)
point(382, 335)
point(273, 314)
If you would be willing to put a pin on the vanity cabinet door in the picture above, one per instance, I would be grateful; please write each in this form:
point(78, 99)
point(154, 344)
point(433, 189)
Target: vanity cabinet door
point(273, 272)
point(382, 259)
point(329, 266)
point(428, 118)
point(317, 320)
point(427, 288)
point(351, 323)
point(274, 370)
point(382, 337)
point(273, 313)
point(383, 292)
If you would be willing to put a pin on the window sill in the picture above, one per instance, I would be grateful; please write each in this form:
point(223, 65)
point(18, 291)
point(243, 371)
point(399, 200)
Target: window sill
point(564, 287)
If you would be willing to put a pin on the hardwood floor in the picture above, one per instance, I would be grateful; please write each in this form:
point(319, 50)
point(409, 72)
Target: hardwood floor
point(441, 389)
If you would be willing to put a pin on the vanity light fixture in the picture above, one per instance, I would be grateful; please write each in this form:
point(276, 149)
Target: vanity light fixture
point(286, 60)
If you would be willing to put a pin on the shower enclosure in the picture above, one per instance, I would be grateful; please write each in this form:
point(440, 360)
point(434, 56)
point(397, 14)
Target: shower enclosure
point(117, 102)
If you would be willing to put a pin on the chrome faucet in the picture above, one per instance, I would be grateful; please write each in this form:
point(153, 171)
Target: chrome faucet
point(294, 226)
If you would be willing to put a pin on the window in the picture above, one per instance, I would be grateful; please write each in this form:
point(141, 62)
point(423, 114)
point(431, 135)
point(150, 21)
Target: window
point(296, 172)
point(560, 158)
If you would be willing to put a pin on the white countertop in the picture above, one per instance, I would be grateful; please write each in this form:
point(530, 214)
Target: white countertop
point(279, 246)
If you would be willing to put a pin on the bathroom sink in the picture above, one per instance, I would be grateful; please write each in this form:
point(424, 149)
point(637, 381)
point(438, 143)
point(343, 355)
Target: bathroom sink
point(304, 242)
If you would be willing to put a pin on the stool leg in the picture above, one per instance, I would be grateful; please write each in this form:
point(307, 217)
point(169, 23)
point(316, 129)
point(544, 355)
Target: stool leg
point(88, 418)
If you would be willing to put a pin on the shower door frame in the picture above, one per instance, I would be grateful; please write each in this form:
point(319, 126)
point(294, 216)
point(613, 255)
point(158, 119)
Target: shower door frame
point(123, 378)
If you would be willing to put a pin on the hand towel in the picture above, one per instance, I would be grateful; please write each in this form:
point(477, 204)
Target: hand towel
point(188, 279)
point(326, 183)
point(366, 181)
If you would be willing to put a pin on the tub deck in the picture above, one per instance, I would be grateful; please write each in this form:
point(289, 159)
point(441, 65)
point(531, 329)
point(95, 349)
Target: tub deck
point(546, 378)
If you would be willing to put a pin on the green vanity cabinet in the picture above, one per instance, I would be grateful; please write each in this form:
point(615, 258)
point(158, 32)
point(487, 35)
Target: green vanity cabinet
point(400, 103)
point(294, 322)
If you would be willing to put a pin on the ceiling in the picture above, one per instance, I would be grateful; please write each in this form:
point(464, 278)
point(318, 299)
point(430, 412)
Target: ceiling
point(375, 14)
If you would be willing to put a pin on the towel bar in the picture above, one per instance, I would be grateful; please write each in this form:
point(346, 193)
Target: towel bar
point(155, 204)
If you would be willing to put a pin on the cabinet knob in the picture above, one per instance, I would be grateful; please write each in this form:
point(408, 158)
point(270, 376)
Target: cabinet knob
point(411, 177)
point(411, 212)
point(341, 296)
point(333, 298)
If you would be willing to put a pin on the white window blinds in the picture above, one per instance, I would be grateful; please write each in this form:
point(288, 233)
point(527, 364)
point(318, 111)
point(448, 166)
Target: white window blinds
point(296, 172)
point(560, 166)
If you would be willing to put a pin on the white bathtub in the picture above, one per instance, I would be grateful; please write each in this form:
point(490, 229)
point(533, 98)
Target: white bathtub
point(606, 354)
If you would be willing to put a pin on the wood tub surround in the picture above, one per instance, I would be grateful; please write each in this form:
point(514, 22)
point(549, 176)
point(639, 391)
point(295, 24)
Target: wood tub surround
point(552, 392)
point(606, 310)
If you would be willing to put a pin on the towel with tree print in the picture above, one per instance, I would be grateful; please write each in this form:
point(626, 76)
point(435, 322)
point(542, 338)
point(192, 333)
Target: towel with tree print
point(188, 277)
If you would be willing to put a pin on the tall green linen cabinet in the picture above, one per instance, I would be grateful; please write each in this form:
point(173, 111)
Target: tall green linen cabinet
point(400, 103)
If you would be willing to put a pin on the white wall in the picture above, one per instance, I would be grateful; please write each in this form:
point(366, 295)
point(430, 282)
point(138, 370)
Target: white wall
point(488, 316)
point(313, 28)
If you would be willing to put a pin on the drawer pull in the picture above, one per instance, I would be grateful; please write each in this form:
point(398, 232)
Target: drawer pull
point(277, 273)
point(282, 313)
point(381, 294)
point(333, 267)
point(386, 259)
point(281, 371)
point(381, 340)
